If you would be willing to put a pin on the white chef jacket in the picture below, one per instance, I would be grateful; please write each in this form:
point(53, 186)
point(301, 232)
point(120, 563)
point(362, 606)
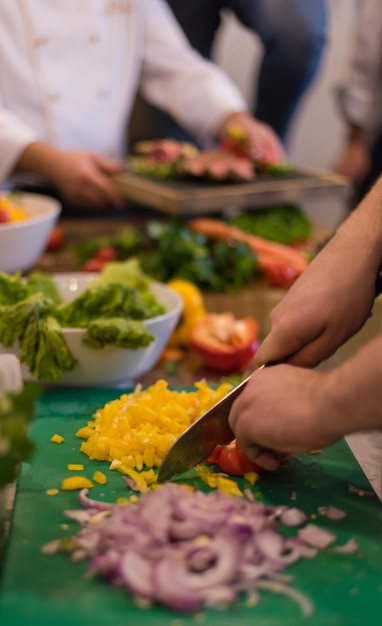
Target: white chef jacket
point(70, 69)
point(360, 96)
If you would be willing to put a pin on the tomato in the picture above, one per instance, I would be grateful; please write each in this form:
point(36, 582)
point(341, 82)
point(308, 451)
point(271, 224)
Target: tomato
point(107, 253)
point(235, 141)
point(56, 239)
point(224, 343)
point(94, 264)
point(281, 275)
point(232, 460)
point(229, 144)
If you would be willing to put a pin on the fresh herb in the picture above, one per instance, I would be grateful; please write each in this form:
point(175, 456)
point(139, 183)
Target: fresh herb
point(16, 411)
point(284, 224)
point(212, 266)
point(125, 242)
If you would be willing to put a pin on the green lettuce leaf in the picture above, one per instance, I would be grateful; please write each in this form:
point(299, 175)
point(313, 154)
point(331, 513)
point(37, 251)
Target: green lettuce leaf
point(44, 350)
point(11, 288)
point(109, 300)
point(16, 318)
point(119, 332)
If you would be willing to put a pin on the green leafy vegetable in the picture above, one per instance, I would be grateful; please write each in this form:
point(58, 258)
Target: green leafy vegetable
point(112, 313)
point(16, 412)
point(15, 319)
point(11, 288)
point(284, 224)
point(145, 166)
point(45, 351)
point(274, 169)
point(108, 301)
point(212, 266)
point(44, 283)
point(128, 273)
point(120, 332)
point(125, 241)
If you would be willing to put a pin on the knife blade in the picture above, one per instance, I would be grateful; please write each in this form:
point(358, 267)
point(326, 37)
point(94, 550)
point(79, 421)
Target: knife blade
point(199, 440)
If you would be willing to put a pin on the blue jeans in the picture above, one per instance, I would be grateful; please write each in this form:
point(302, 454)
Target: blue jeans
point(293, 34)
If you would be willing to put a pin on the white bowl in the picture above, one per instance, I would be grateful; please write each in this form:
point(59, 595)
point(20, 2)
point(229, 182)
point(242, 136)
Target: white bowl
point(112, 366)
point(22, 243)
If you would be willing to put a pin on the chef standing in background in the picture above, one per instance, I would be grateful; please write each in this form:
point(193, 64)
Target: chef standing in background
point(293, 35)
point(69, 74)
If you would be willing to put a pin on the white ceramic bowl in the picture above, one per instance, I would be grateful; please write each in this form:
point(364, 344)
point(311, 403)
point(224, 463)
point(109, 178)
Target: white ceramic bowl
point(22, 243)
point(112, 366)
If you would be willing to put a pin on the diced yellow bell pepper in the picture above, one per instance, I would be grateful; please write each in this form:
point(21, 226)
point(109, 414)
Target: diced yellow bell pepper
point(76, 482)
point(251, 477)
point(100, 478)
point(75, 467)
point(57, 438)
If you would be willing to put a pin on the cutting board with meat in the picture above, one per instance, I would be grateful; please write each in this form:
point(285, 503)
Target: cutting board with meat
point(178, 179)
point(39, 588)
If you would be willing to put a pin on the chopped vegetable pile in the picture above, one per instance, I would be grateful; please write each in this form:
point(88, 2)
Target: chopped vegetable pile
point(135, 431)
point(112, 310)
point(189, 550)
point(11, 210)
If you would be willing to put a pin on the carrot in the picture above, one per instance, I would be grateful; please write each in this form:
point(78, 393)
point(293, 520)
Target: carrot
point(269, 253)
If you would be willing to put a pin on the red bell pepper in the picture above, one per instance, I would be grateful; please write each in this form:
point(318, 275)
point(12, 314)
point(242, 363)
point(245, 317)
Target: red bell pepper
point(224, 343)
point(232, 460)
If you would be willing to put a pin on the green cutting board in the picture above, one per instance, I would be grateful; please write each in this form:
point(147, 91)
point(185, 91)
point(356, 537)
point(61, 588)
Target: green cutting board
point(36, 589)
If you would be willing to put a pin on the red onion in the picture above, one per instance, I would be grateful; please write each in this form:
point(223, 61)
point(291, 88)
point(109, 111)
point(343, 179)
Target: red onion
point(316, 537)
point(331, 512)
point(188, 550)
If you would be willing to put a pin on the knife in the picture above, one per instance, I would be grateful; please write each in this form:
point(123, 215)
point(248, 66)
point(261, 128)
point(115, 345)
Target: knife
point(199, 440)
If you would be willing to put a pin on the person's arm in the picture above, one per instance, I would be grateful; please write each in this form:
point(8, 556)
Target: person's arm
point(196, 92)
point(83, 178)
point(357, 96)
point(287, 409)
point(334, 296)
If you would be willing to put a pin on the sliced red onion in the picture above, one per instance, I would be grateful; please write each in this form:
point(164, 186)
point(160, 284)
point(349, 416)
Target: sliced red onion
point(331, 512)
point(131, 483)
point(316, 536)
point(293, 517)
point(301, 599)
point(52, 547)
point(188, 550)
point(89, 503)
point(361, 492)
point(78, 515)
point(350, 547)
point(137, 574)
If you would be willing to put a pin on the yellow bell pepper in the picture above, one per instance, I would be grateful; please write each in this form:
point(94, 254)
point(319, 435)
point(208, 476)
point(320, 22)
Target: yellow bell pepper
point(193, 311)
point(76, 482)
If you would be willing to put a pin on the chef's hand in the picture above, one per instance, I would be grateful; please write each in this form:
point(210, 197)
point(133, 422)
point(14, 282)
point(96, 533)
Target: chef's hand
point(328, 303)
point(284, 409)
point(266, 146)
point(82, 178)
